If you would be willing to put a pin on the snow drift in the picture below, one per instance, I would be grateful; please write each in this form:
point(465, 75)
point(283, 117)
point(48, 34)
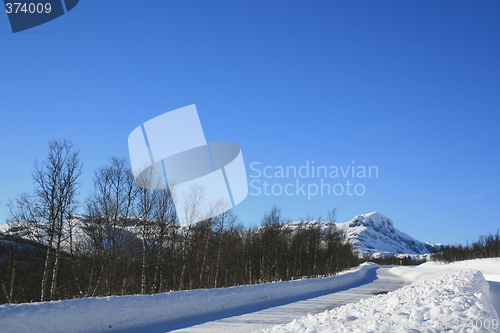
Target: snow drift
point(90, 314)
point(441, 300)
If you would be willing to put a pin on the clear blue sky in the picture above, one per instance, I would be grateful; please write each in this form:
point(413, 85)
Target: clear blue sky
point(411, 87)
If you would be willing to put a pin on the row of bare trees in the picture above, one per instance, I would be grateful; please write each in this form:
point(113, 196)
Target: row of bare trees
point(485, 247)
point(129, 240)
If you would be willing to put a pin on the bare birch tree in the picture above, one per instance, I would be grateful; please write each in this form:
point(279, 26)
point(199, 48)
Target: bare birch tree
point(56, 185)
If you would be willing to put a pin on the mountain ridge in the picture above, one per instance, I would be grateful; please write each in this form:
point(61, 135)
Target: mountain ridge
point(374, 234)
point(371, 234)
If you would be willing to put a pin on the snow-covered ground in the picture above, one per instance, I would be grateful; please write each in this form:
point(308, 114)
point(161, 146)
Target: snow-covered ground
point(92, 314)
point(454, 298)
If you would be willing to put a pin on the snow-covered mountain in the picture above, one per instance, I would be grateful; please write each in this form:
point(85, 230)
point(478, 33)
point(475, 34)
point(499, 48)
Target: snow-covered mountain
point(374, 234)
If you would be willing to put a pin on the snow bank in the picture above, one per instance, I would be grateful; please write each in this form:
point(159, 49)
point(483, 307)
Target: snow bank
point(443, 300)
point(87, 314)
point(489, 267)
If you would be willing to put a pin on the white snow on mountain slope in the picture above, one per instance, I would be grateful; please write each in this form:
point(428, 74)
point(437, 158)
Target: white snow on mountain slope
point(374, 234)
point(451, 298)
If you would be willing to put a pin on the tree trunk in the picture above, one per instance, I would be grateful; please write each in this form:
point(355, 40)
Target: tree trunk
point(143, 269)
point(46, 269)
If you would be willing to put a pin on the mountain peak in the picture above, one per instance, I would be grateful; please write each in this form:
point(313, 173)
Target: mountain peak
point(374, 220)
point(374, 234)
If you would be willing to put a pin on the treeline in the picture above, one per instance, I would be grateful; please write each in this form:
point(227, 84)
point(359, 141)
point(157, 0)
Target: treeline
point(129, 241)
point(486, 247)
point(395, 260)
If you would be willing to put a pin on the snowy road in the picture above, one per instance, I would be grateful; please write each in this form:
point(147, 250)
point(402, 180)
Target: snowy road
point(265, 315)
point(456, 297)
